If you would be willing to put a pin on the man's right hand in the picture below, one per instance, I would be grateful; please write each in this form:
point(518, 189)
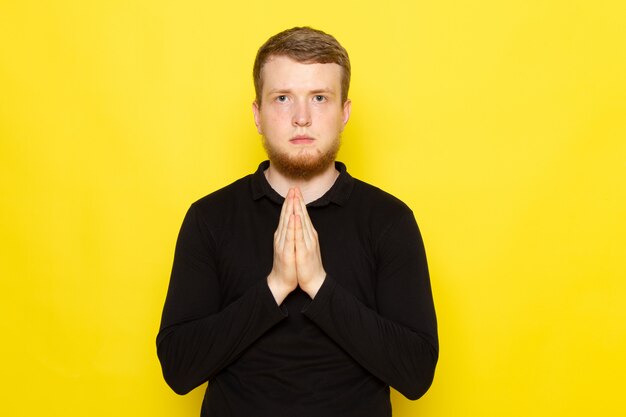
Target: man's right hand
point(283, 278)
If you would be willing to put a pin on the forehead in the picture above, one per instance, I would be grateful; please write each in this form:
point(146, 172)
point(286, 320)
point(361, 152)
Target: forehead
point(281, 72)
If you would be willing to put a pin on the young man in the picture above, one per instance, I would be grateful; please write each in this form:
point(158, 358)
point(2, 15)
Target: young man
point(299, 290)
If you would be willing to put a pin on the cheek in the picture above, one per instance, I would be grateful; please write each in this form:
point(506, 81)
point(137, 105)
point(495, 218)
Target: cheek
point(274, 122)
point(330, 114)
point(332, 122)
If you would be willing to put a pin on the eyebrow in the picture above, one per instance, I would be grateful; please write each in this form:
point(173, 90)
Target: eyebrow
point(316, 91)
point(323, 90)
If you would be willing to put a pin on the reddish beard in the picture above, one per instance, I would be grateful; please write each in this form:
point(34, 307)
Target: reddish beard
point(303, 166)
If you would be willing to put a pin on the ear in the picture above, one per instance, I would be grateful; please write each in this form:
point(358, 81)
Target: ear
point(347, 108)
point(256, 109)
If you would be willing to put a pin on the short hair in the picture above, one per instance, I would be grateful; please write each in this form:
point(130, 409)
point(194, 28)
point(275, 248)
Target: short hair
point(307, 46)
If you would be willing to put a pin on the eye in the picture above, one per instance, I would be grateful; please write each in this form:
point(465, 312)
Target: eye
point(319, 98)
point(281, 99)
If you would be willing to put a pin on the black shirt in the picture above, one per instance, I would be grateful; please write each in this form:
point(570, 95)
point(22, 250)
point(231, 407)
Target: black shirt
point(371, 325)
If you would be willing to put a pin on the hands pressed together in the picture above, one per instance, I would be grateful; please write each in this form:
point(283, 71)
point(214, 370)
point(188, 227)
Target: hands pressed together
point(297, 256)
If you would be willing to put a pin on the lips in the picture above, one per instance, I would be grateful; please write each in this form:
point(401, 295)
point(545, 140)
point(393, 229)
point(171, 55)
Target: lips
point(301, 140)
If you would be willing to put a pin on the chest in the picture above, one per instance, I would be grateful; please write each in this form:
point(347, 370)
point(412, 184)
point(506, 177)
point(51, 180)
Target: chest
point(245, 251)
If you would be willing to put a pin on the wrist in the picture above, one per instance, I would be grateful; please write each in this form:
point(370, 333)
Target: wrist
point(279, 290)
point(313, 286)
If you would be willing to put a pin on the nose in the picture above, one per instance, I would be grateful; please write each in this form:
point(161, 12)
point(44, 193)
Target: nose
point(301, 115)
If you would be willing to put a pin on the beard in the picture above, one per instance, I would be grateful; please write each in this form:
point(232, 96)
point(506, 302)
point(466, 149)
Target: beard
point(304, 165)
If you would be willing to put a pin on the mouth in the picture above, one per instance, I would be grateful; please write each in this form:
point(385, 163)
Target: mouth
point(301, 140)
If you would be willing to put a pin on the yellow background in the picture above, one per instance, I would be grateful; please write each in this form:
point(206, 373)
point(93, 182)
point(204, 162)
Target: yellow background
point(501, 123)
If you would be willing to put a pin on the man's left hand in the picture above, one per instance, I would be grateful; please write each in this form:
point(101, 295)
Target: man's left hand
point(309, 268)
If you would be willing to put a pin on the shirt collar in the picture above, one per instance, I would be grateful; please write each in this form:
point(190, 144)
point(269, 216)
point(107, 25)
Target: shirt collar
point(339, 193)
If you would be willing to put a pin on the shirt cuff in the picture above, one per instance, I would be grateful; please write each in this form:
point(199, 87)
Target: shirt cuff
point(266, 296)
point(322, 298)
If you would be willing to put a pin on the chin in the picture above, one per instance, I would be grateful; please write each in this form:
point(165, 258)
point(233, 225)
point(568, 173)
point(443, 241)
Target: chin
point(304, 165)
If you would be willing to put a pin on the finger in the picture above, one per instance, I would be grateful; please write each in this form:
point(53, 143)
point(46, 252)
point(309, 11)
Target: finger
point(298, 230)
point(290, 235)
point(306, 220)
point(300, 213)
point(284, 220)
point(302, 246)
point(281, 218)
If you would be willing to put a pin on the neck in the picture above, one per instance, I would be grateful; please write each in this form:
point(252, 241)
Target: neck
point(312, 188)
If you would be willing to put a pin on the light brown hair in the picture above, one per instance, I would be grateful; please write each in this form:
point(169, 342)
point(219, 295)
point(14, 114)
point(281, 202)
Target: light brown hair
point(307, 46)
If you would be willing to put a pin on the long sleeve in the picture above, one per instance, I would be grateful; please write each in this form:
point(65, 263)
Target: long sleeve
point(198, 336)
point(396, 342)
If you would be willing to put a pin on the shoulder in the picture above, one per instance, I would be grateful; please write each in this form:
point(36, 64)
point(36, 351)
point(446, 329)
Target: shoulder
point(224, 200)
point(376, 211)
point(388, 220)
point(377, 201)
